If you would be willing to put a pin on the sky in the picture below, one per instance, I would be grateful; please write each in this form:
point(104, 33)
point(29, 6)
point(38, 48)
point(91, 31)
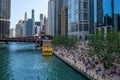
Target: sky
point(18, 8)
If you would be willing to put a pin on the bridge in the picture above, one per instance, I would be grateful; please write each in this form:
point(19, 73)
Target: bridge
point(26, 39)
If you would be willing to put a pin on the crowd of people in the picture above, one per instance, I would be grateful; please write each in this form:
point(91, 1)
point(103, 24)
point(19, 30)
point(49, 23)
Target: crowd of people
point(79, 54)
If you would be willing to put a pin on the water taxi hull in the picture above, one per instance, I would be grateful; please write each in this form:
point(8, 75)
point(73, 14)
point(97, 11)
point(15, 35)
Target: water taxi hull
point(47, 51)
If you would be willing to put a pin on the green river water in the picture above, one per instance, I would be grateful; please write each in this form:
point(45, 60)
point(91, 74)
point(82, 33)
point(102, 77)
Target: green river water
point(20, 61)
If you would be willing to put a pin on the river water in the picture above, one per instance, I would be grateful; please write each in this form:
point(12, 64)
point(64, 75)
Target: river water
point(20, 61)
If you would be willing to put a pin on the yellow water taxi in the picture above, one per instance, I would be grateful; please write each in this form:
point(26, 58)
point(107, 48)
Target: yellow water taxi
point(47, 48)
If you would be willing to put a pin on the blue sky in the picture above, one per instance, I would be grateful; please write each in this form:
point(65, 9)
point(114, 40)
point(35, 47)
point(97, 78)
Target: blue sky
point(18, 8)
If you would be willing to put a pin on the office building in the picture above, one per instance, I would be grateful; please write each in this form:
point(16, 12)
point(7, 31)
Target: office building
point(107, 20)
point(117, 22)
point(19, 29)
point(107, 13)
point(33, 14)
point(64, 20)
point(58, 6)
point(33, 21)
point(65, 2)
point(12, 32)
point(91, 14)
point(37, 28)
point(117, 14)
point(99, 13)
point(41, 16)
point(45, 25)
point(79, 18)
point(24, 28)
point(5, 8)
point(29, 28)
point(41, 21)
point(51, 17)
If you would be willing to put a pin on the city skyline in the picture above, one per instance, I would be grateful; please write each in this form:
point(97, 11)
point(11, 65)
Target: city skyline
point(59, 39)
point(18, 10)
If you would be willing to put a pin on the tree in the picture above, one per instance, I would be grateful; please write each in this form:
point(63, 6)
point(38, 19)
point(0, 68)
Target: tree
point(65, 40)
point(106, 47)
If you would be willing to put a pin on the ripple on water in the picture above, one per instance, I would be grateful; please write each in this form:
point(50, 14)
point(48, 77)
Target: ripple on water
point(20, 61)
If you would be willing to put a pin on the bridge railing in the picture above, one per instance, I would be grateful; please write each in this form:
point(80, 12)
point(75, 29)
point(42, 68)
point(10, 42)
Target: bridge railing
point(25, 39)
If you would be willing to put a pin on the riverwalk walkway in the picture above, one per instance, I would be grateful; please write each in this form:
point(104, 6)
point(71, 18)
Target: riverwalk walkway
point(67, 56)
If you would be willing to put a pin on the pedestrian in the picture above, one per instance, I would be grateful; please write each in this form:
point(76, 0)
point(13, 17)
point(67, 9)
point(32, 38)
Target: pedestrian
point(103, 74)
point(96, 69)
point(74, 60)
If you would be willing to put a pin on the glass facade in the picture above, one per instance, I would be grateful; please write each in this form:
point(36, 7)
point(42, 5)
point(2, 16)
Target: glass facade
point(29, 28)
point(33, 16)
point(58, 6)
point(72, 16)
point(41, 16)
point(4, 18)
point(110, 9)
point(78, 18)
point(117, 15)
point(116, 6)
point(65, 2)
point(51, 18)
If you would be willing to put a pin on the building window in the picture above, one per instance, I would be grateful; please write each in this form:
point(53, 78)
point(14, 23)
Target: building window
point(108, 29)
point(85, 16)
point(85, 5)
point(80, 27)
point(102, 30)
point(86, 37)
point(80, 37)
point(76, 27)
point(85, 27)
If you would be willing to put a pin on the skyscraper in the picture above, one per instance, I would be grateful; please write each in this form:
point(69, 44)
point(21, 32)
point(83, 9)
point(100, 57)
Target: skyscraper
point(33, 16)
point(29, 28)
point(65, 2)
point(42, 22)
point(116, 14)
point(117, 22)
point(107, 13)
point(79, 18)
point(19, 29)
point(12, 32)
point(64, 20)
point(51, 17)
point(58, 6)
point(99, 13)
point(91, 14)
point(112, 7)
point(107, 20)
point(37, 28)
point(45, 24)
point(24, 28)
point(33, 22)
point(5, 6)
point(41, 16)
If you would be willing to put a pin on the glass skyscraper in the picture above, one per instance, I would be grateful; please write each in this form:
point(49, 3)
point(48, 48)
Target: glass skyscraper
point(107, 13)
point(4, 18)
point(51, 18)
point(117, 15)
point(33, 14)
point(41, 16)
point(29, 28)
point(58, 6)
point(79, 18)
